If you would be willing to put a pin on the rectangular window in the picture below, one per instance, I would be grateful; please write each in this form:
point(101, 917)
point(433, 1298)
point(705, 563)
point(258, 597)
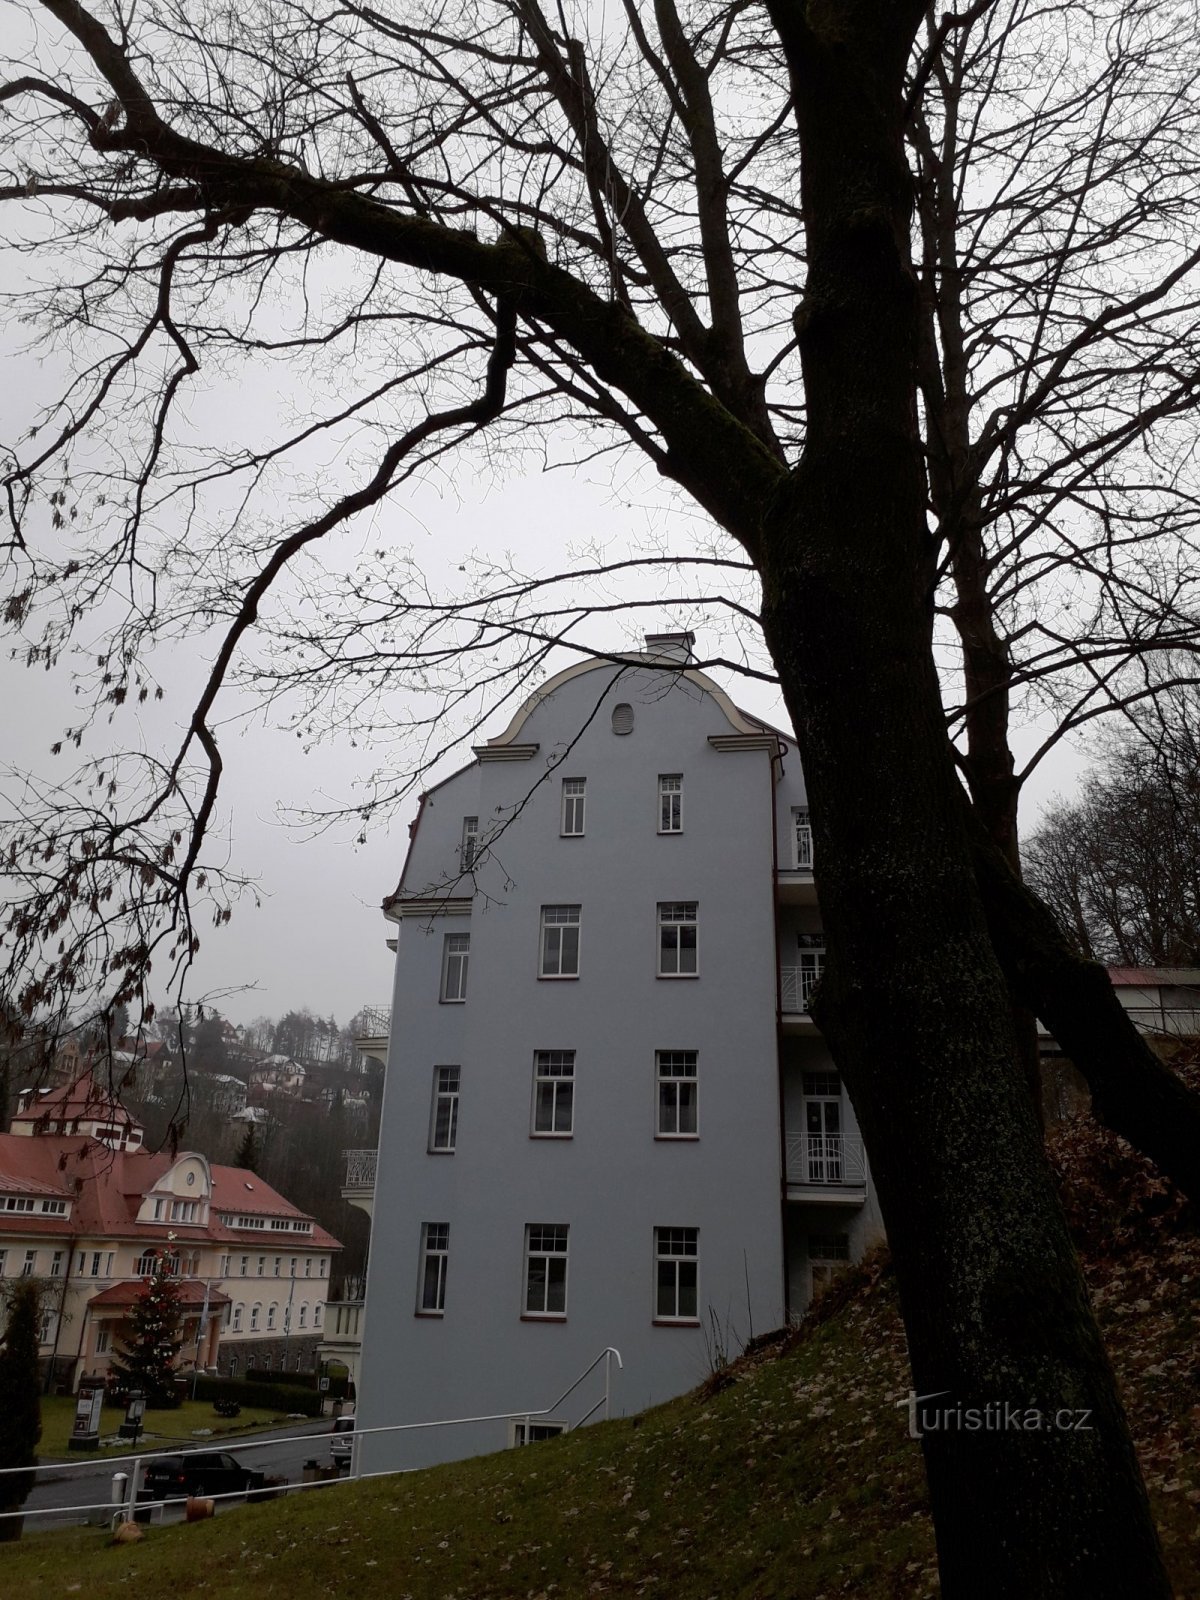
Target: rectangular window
point(304, 1313)
point(455, 950)
point(278, 1264)
point(308, 1266)
point(30, 1263)
point(676, 1264)
point(435, 1252)
point(670, 802)
point(469, 849)
point(56, 1264)
point(574, 797)
point(97, 1262)
point(272, 1313)
point(443, 1118)
point(237, 1319)
point(560, 942)
point(262, 1265)
point(678, 1094)
point(678, 939)
point(546, 1269)
point(531, 1432)
point(553, 1093)
point(292, 1267)
point(226, 1262)
point(158, 1210)
point(245, 1266)
point(101, 1339)
point(3, 1260)
point(802, 841)
point(255, 1314)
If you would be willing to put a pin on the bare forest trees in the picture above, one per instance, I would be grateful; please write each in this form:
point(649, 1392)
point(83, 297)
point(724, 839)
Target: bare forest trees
point(904, 304)
point(1120, 865)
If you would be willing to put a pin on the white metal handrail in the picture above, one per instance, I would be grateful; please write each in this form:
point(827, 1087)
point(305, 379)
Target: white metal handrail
point(833, 1159)
point(132, 1503)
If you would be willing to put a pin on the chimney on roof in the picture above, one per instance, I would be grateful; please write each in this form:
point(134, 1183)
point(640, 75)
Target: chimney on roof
point(671, 646)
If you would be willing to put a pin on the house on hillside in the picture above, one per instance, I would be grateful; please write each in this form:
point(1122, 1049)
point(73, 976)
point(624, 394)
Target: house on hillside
point(279, 1075)
point(87, 1210)
point(611, 1119)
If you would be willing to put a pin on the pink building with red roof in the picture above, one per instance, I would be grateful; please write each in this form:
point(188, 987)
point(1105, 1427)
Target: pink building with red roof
point(86, 1210)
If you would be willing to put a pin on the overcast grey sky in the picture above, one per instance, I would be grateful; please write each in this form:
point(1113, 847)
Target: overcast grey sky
point(317, 938)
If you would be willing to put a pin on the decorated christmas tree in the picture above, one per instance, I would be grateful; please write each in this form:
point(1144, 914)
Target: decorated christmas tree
point(146, 1360)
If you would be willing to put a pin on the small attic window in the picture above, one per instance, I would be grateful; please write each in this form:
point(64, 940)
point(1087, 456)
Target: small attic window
point(622, 718)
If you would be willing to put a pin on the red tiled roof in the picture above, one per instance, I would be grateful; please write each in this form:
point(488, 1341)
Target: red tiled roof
point(108, 1187)
point(1155, 977)
point(191, 1293)
point(83, 1098)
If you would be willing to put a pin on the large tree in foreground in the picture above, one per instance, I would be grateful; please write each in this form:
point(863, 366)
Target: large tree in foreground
point(20, 1403)
point(690, 231)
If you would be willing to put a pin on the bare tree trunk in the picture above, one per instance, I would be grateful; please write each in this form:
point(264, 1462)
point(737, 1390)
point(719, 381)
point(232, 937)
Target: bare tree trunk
point(1134, 1093)
point(914, 1005)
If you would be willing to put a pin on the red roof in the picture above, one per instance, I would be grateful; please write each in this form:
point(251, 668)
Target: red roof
point(108, 1187)
point(191, 1293)
point(83, 1098)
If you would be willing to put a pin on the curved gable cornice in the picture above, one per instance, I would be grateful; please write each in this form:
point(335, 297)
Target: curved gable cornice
point(733, 716)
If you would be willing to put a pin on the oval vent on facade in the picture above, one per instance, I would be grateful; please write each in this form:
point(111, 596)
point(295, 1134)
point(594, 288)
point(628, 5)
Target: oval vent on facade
point(622, 718)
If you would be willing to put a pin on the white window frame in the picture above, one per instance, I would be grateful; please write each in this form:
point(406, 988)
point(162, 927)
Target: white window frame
point(238, 1312)
point(447, 1082)
point(551, 960)
point(102, 1341)
point(552, 1115)
point(675, 1251)
point(573, 808)
point(468, 850)
point(272, 1314)
point(674, 1071)
point(304, 1313)
point(802, 839)
point(456, 954)
point(674, 917)
point(255, 1316)
point(534, 1430)
point(435, 1258)
point(547, 1264)
point(29, 1265)
point(670, 802)
point(56, 1264)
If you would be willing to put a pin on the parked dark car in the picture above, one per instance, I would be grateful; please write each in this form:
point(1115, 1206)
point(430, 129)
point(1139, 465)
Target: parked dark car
point(199, 1472)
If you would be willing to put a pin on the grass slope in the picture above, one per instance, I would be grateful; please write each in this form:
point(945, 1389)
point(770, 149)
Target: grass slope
point(167, 1427)
point(792, 1475)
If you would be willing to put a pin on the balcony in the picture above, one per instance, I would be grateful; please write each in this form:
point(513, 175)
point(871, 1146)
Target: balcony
point(371, 1030)
point(794, 880)
point(358, 1186)
point(796, 986)
point(826, 1166)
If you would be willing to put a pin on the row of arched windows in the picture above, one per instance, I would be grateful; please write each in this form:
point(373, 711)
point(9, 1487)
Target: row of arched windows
point(275, 1317)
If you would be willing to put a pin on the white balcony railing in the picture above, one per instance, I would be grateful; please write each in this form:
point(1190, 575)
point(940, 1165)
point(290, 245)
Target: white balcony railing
point(796, 987)
point(360, 1169)
point(826, 1160)
point(373, 1022)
